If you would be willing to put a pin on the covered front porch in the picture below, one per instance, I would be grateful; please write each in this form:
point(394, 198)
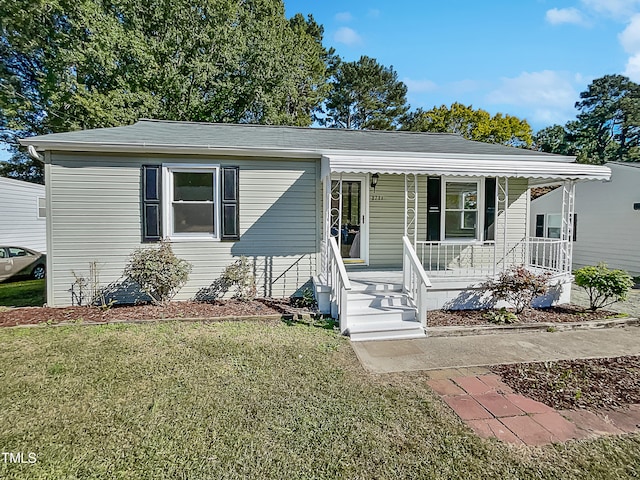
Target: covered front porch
point(414, 234)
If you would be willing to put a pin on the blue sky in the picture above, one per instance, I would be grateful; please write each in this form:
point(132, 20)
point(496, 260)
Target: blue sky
point(529, 58)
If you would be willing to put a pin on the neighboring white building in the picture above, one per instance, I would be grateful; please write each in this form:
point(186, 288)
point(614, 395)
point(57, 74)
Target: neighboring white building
point(607, 219)
point(22, 214)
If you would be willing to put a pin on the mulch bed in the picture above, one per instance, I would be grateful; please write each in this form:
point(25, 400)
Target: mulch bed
point(561, 314)
point(225, 308)
point(591, 384)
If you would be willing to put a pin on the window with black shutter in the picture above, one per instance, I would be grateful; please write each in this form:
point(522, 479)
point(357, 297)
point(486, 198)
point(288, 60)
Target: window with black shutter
point(230, 204)
point(489, 209)
point(540, 225)
point(433, 209)
point(151, 203)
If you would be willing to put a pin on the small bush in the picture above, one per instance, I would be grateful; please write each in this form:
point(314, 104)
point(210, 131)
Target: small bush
point(604, 286)
point(239, 275)
point(518, 286)
point(158, 271)
point(501, 317)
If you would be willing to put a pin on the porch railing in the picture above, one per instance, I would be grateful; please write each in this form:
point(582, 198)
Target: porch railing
point(482, 259)
point(339, 283)
point(458, 258)
point(549, 254)
point(414, 280)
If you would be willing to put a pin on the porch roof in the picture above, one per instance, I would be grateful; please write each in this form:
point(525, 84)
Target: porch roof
point(460, 165)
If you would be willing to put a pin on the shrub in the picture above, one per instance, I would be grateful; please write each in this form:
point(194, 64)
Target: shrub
point(158, 271)
point(604, 286)
point(518, 286)
point(239, 275)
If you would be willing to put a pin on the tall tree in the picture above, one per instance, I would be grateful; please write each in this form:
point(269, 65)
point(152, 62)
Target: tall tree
point(472, 124)
point(66, 65)
point(555, 139)
point(608, 122)
point(365, 95)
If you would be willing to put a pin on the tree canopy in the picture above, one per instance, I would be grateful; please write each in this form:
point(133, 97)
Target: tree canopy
point(472, 124)
point(365, 95)
point(607, 127)
point(67, 65)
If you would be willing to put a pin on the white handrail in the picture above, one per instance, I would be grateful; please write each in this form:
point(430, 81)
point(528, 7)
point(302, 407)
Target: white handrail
point(414, 280)
point(339, 283)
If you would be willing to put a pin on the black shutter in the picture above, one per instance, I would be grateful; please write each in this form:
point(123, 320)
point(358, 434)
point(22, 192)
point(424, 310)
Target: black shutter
point(575, 227)
point(151, 203)
point(489, 209)
point(540, 225)
point(433, 209)
point(230, 204)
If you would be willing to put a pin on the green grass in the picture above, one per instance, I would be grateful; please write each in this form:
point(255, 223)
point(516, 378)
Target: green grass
point(245, 400)
point(29, 293)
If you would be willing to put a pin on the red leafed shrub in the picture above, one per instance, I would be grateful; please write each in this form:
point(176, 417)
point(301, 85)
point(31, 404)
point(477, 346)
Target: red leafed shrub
point(518, 286)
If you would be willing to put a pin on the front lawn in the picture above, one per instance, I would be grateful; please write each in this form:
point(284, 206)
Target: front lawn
point(245, 400)
point(28, 293)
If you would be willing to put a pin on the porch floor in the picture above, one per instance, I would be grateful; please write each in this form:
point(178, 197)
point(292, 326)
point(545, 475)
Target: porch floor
point(393, 276)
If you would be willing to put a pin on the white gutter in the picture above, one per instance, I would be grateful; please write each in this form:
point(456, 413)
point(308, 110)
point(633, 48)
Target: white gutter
point(172, 149)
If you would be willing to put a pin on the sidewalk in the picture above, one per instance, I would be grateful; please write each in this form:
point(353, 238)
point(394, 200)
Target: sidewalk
point(468, 351)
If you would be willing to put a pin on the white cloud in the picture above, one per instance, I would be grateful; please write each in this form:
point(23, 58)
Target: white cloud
point(630, 41)
point(550, 94)
point(373, 13)
point(558, 16)
point(630, 36)
point(347, 36)
point(619, 9)
point(419, 86)
point(343, 17)
point(633, 68)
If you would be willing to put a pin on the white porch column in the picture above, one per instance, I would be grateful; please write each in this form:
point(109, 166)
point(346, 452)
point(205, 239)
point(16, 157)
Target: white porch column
point(411, 207)
point(502, 208)
point(566, 228)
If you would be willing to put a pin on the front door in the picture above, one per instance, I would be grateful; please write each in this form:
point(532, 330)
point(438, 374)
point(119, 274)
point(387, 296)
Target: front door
point(352, 227)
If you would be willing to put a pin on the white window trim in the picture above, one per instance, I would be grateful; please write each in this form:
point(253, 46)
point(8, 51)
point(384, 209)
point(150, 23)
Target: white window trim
point(38, 216)
point(546, 225)
point(481, 201)
point(167, 200)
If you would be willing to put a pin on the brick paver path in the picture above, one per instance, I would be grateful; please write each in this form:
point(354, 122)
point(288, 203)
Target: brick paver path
point(493, 410)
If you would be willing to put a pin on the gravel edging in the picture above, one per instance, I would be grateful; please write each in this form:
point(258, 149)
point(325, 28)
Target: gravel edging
point(462, 330)
point(304, 317)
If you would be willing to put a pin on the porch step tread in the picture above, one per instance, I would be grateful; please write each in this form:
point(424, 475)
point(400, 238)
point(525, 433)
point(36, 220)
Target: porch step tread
point(385, 326)
point(358, 287)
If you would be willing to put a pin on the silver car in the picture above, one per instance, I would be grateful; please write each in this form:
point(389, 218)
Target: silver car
point(19, 261)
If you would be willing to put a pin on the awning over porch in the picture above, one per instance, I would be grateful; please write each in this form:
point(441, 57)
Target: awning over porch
point(470, 165)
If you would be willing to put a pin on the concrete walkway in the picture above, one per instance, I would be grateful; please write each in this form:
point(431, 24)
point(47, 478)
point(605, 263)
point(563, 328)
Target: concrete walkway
point(469, 351)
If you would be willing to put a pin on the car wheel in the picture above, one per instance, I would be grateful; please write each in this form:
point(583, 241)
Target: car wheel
point(38, 272)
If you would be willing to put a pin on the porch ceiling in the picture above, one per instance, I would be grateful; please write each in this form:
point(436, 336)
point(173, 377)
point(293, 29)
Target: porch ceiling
point(476, 166)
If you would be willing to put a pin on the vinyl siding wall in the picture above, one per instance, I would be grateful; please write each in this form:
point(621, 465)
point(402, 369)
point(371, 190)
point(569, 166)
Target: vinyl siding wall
point(608, 226)
point(95, 213)
point(19, 222)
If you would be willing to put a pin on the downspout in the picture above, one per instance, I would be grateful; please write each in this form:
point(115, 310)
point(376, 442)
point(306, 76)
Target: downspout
point(31, 150)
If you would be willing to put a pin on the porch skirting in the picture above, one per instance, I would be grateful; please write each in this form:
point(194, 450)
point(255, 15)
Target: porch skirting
point(449, 293)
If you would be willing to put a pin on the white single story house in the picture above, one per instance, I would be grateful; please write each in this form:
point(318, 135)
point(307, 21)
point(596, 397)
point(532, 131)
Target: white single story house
point(23, 214)
point(607, 215)
point(387, 224)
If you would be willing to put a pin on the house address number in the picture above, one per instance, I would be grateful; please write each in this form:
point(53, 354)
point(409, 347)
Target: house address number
point(377, 197)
